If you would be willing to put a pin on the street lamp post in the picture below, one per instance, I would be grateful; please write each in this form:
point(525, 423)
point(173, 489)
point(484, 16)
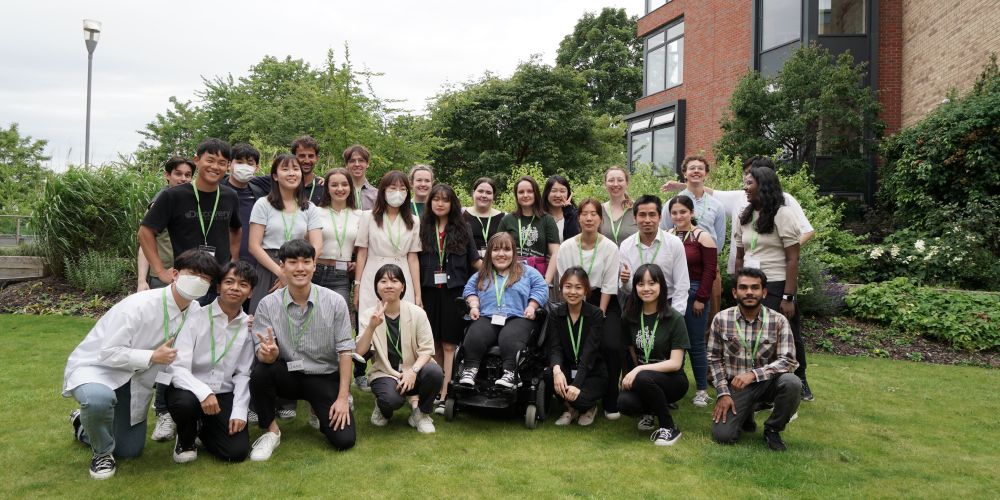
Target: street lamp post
point(91, 32)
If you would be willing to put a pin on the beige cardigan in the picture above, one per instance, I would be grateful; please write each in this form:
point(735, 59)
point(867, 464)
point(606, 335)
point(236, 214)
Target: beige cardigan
point(415, 339)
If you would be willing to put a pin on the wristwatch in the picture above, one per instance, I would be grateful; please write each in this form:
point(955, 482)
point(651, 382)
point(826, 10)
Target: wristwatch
point(788, 296)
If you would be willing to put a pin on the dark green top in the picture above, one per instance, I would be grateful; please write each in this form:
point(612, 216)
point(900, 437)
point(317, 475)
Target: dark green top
point(670, 334)
point(536, 233)
point(392, 341)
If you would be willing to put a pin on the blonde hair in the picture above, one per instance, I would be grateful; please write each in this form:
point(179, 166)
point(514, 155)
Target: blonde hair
point(627, 202)
point(421, 167)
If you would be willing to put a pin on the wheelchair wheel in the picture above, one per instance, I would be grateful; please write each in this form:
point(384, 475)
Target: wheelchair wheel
point(541, 399)
point(530, 416)
point(449, 409)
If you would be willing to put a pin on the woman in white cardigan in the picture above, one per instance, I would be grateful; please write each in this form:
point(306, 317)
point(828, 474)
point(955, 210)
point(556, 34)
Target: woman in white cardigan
point(397, 337)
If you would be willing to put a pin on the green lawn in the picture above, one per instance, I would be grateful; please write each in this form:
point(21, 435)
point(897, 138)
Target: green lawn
point(878, 428)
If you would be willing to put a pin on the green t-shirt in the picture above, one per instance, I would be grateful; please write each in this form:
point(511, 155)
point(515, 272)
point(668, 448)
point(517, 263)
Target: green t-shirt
point(534, 235)
point(670, 334)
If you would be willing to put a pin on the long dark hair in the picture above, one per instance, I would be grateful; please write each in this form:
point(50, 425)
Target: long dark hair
point(274, 197)
point(456, 228)
point(327, 200)
point(405, 210)
point(769, 198)
point(486, 272)
point(633, 305)
point(536, 207)
point(549, 184)
point(683, 199)
point(394, 272)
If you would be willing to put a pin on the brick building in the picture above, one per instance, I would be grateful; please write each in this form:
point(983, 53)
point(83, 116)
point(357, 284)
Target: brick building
point(695, 52)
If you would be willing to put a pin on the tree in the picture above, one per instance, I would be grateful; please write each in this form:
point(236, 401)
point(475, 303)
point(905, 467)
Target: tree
point(605, 50)
point(21, 170)
point(815, 102)
point(539, 115)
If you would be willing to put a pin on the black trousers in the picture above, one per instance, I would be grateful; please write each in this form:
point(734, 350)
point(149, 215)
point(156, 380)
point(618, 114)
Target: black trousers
point(512, 337)
point(269, 381)
point(783, 390)
point(775, 289)
point(428, 385)
point(650, 394)
point(613, 353)
point(591, 391)
point(186, 411)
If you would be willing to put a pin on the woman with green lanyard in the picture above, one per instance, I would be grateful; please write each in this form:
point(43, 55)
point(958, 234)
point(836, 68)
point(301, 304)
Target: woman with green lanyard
point(388, 234)
point(422, 180)
point(482, 217)
point(658, 341)
point(340, 218)
point(535, 232)
point(619, 221)
point(447, 261)
point(573, 346)
point(284, 215)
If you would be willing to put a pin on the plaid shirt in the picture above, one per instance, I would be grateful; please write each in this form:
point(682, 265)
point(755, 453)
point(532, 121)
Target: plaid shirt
point(728, 357)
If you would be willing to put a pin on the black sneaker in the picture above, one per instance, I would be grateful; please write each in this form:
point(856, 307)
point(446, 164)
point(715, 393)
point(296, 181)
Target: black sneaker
point(807, 395)
point(507, 380)
point(773, 440)
point(749, 425)
point(103, 466)
point(673, 406)
point(665, 437)
point(74, 418)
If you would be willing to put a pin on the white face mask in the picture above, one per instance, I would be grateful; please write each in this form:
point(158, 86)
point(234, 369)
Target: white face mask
point(395, 198)
point(243, 172)
point(191, 287)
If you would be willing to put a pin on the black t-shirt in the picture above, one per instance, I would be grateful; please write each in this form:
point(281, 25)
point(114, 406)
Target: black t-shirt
point(247, 198)
point(178, 211)
point(482, 226)
point(670, 334)
point(393, 341)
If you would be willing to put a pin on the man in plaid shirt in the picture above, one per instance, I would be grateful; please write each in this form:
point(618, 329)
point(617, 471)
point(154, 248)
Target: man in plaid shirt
point(751, 356)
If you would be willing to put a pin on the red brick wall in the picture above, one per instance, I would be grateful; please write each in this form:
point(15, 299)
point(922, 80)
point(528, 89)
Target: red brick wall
point(717, 48)
point(890, 63)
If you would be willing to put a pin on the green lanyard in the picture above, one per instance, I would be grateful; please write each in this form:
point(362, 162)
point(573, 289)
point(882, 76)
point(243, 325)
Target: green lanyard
point(642, 255)
point(575, 341)
point(413, 205)
point(498, 289)
point(201, 219)
point(311, 191)
point(343, 232)
point(647, 347)
point(753, 233)
point(395, 345)
point(211, 335)
point(441, 247)
point(289, 230)
point(485, 228)
point(296, 335)
point(166, 319)
point(388, 231)
point(615, 229)
point(593, 256)
point(756, 341)
point(520, 231)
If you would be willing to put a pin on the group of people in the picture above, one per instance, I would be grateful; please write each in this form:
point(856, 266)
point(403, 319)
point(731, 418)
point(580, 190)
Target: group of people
point(255, 292)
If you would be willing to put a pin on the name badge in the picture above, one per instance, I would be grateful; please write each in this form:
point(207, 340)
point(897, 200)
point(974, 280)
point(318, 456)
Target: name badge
point(482, 252)
point(440, 278)
point(751, 263)
point(572, 374)
point(498, 319)
point(215, 380)
point(340, 265)
point(164, 378)
point(207, 248)
point(295, 366)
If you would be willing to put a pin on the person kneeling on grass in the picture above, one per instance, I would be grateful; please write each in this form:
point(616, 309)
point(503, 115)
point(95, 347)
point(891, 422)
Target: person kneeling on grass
point(573, 346)
point(397, 337)
point(304, 345)
point(751, 356)
point(111, 373)
point(209, 391)
point(659, 340)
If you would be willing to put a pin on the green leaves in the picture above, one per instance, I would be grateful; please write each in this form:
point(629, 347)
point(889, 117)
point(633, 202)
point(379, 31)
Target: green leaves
point(21, 171)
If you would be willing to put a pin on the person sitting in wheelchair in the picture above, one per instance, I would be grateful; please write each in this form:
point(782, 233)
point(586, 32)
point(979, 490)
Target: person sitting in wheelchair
point(503, 298)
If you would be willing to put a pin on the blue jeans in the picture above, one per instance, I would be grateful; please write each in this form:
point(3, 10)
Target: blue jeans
point(105, 415)
point(696, 334)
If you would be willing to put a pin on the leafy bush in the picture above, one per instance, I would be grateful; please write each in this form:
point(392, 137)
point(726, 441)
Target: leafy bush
point(95, 210)
point(967, 320)
point(98, 272)
point(957, 258)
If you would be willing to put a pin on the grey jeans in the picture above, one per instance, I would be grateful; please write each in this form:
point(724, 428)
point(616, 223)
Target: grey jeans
point(106, 419)
point(783, 390)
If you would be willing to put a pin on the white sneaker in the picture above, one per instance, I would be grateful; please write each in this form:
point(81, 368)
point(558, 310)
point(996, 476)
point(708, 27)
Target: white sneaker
point(614, 415)
point(665, 437)
point(378, 419)
point(647, 423)
point(165, 428)
point(184, 456)
point(793, 417)
point(588, 417)
point(701, 399)
point(421, 421)
point(566, 418)
point(264, 446)
point(284, 414)
point(313, 420)
point(468, 377)
point(252, 417)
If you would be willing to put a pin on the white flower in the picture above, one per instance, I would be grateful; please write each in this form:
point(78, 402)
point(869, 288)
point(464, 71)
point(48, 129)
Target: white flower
point(911, 258)
point(919, 245)
point(956, 260)
point(894, 251)
point(970, 237)
point(876, 252)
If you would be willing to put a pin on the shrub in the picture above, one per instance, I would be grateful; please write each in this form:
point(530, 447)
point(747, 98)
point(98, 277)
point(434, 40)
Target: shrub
point(966, 320)
point(97, 272)
point(956, 258)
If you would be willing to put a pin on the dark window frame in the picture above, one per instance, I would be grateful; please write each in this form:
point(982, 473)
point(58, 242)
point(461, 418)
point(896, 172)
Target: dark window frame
point(677, 123)
point(649, 3)
point(666, 42)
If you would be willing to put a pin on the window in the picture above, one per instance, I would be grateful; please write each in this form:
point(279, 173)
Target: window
point(781, 23)
point(841, 17)
point(653, 140)
point(652, 5)
point(665, 59)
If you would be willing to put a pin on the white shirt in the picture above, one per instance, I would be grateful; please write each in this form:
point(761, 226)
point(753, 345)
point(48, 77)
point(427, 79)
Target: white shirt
point(606, 262)
point(120, 347)
point(193, 369)
point(670, 258)
point(333, 226)
point(274, 222)
point(736, 201)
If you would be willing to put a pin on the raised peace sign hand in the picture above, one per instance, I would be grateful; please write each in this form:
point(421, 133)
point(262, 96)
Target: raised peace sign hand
point(267, 352)
point(378, 315)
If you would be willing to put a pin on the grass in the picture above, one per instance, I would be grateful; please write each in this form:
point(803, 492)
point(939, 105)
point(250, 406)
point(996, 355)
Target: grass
point(878, 428)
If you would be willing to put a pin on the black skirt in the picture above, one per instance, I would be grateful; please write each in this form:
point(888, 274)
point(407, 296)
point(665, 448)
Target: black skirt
point(444, 313)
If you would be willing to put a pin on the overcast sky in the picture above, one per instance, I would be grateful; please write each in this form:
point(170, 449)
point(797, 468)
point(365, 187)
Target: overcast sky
point(149, 51)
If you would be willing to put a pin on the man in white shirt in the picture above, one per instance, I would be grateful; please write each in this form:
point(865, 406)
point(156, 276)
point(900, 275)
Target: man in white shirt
point(210, 387)
point(111, 373)
point(653, 245)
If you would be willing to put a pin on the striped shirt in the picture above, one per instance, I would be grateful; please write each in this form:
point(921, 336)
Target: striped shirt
point(327, 333)
point(728, 355)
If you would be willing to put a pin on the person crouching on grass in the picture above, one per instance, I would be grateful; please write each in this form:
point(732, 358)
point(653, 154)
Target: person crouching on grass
point(210, 385)
point(111, 373)
point(397, 337)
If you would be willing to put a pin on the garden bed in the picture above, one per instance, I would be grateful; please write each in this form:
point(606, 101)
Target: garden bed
point(53, 295)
